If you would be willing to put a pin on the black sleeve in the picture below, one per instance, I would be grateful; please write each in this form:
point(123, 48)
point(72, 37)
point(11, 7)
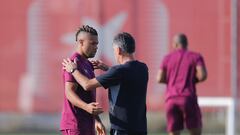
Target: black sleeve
point(110, 78)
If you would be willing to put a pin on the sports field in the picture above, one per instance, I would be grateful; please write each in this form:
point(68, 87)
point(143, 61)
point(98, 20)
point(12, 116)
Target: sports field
point(58, 134)
point(108, 134)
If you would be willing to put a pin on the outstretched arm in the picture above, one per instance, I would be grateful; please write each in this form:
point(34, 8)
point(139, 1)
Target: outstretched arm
point(98, 64)
point(87, 84)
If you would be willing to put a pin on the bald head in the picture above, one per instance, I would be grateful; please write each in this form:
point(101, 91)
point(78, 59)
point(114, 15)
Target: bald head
point(180, 40)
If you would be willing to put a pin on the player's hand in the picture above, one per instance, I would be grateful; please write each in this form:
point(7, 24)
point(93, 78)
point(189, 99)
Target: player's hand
point(99, 127)
point(93, 108)
point(68, 65)
point(98, 64)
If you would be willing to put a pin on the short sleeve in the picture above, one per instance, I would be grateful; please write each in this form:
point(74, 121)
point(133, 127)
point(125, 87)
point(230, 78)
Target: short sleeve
point(68, 77)
point(200, 61)
point(110, 78)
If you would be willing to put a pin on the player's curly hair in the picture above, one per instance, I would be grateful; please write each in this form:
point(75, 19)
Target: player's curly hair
point(88, 29)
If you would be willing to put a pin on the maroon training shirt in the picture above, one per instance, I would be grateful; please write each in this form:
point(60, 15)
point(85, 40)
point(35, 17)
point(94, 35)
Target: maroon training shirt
point(180, 67)
point(72, 116)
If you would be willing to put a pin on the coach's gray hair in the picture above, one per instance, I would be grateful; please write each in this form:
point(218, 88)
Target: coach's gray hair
point(125, 41)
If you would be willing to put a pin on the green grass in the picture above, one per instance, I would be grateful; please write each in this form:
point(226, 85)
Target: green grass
point(29, 134)
point(52, 134)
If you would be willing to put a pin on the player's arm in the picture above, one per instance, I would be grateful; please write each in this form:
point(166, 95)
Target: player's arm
point(99, 127)
point(201, 73)
point(70, 91)
point(87, 84)
point(162, 72)
point(111, 78)
point(161, 76)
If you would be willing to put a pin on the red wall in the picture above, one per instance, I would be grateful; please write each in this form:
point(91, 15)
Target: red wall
point(34, 40)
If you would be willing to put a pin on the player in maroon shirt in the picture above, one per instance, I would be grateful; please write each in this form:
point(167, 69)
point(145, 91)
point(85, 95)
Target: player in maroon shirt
point(181, 70)
point(80, 110)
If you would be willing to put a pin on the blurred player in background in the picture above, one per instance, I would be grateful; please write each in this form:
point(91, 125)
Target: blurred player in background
point(181, 70)
point(127, 83)
point(80, 110)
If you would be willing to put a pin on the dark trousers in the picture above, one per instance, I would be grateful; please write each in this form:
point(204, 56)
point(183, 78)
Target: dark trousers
point(123, 132)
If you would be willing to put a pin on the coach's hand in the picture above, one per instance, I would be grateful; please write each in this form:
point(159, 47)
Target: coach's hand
point(98, 64)
point(99, 127)
point(93, 108)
